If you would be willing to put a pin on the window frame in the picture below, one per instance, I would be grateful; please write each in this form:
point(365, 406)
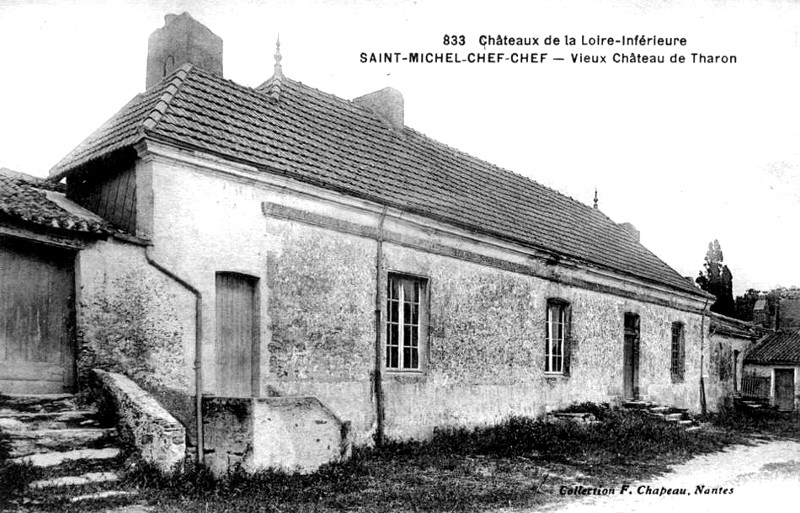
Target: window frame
point(677, 352)
point(565, 314)
point(421, 326)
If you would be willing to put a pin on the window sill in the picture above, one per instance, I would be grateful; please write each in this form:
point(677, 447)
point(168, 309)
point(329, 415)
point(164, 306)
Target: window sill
point(556, 376)
point(407, 376)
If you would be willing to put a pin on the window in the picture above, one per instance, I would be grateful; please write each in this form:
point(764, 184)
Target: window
point(678, 355)
point(404, 327)
point(557, 337)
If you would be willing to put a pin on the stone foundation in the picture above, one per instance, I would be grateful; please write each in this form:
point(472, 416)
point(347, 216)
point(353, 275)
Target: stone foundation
point(294, 434)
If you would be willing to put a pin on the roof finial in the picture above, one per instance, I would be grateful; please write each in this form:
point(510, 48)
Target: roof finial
point(278, 57)
point(595, 198)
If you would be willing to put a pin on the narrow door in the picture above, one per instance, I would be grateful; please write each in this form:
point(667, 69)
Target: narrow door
point(784, 389)
point(237, 335)
point(37, 299)
point(630, 357)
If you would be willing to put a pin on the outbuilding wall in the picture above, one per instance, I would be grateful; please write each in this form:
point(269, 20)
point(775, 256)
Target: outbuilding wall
point(768, 371)
point(720, 376)
point(134, 320)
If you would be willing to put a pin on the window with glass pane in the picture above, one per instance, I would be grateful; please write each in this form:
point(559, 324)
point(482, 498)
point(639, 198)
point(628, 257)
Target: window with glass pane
point(677, 360)
point(556, 334)
point(403, 323)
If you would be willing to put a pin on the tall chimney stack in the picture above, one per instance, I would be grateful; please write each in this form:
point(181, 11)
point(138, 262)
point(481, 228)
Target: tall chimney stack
point(632, 231)
point(388, 104)
point(182, 39)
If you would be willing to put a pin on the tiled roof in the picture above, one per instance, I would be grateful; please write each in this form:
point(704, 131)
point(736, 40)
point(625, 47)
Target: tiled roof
point(781, 348)
point(732, 327)
point(25, 202)
point(288, 128)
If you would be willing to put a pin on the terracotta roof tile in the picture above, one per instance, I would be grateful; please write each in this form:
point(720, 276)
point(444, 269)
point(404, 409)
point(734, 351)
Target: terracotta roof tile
point(29, 203)
point(781, 348)
point(315, 137)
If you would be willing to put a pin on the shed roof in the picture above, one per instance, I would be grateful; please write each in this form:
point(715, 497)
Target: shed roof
point(288, 128)
point(732, 327)
point(37, 206)
point(780, 348)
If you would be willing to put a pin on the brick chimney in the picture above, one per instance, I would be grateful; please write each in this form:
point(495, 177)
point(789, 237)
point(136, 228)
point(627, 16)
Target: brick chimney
point(628, 227)
point(182, 39)
point(388, 104)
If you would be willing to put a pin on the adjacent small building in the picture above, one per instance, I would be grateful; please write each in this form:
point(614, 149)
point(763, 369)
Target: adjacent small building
point(728, 343)
point(773, 366)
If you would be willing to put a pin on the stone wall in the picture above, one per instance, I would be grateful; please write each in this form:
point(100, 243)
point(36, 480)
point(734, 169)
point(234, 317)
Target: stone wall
point(312, 255)
point(157, 436)
point(487, 348)
point(720, 384)
point(294, 434)
point(134, 320)
point(485, 338)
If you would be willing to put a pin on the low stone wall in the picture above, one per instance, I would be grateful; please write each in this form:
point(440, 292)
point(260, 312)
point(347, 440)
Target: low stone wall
point(142, 421)
point(295, 434)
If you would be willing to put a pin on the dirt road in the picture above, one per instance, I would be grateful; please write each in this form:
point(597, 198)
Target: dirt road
point(741, 478)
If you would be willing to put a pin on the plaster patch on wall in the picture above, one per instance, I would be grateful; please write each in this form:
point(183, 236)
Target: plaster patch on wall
point(321, 292)
point(134, 328)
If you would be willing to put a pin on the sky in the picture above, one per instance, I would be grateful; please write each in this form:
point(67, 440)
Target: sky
point(687, 152)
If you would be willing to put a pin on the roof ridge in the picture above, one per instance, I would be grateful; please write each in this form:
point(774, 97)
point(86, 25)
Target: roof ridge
point(178, 77)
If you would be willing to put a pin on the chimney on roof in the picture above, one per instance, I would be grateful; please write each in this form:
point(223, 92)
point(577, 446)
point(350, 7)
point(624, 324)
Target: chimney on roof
point(628, 227)
point(182, 39)
point(388, 104)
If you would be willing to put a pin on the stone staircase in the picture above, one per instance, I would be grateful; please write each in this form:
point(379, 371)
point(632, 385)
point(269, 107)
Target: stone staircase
point(75, 455)
point(752, 403)
point(679, 416)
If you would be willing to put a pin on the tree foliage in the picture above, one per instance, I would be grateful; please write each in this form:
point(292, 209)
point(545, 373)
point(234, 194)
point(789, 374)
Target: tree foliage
point(745, 304)
point(717, 279)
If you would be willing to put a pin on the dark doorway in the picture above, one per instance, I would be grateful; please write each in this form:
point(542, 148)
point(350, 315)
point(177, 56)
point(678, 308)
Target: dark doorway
point(37, 318)
point(784, 389)
point(630, 357)
point(237, 341)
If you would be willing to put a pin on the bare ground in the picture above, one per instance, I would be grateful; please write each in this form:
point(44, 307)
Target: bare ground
point(756, 477)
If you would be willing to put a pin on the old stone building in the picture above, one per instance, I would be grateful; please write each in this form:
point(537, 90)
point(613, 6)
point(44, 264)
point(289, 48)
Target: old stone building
point(282, 250)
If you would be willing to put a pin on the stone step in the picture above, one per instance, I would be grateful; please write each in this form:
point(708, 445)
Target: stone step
point(24, 443)
point(25, 421)
point(11, 403)
point(674, 417)
point(637, 405)
point(573, 416)
point(104, 495)
point(81, 480)
point(51, 459)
